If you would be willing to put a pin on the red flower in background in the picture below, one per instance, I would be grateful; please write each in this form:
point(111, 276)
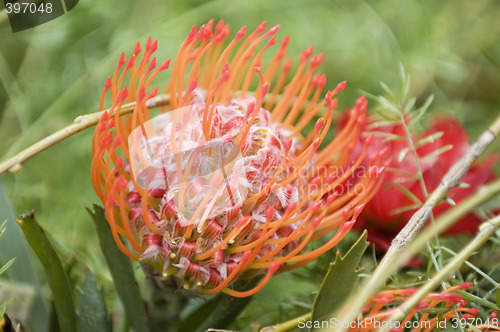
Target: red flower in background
point(381, 216)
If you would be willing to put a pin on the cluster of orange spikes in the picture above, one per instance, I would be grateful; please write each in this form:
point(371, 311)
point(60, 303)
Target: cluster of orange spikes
point(297, 191)
point(435, 311)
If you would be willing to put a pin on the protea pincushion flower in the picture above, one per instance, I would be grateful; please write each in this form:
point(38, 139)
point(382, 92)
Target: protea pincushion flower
point(221, 183)
point(385, 217)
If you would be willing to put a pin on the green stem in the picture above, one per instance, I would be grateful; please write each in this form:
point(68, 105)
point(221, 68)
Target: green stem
point(438, 263)
point(413, 150)
point(288, 325)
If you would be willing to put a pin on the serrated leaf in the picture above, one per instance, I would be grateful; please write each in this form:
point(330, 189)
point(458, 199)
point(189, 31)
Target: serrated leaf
point(339, 282)
point(56, 276)
point(436, 153)
point(402, 154)
point(429, 139)
point(92, 312)
point(121, 271)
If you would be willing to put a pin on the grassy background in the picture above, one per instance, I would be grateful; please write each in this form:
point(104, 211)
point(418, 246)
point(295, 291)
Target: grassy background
point(51, 74)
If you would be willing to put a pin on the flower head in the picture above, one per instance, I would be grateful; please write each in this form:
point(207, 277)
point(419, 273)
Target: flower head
point(385, 217)
point(220, 183)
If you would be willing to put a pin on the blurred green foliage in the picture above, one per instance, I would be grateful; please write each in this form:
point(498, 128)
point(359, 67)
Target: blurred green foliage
point(51, 74)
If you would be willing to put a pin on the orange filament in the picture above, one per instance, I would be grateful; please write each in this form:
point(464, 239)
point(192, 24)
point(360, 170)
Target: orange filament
point(232, 234)
point(272, 269)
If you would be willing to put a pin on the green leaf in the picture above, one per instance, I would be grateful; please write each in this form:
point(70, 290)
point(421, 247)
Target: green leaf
point(410, 104)
point(387, 136)
point(388, 91)
point(387, 115)
point(23, 296)
point(473, 328)
point(469, 297)
point(6, 266)
point(389, 106)
point(218, 312)
point(405, 81)
point(436, 152)
point(421, 112)
point(429, 139)
point(498, 297)
point(3, 306)
point(121, 271)
point(13, 245)
point(375, 122)
point(409, 194)
point(339, 282)
point(203, 312)
point(56, 276)
point(92, 312)
point(402, 154)
point(450, 201)
point(405, 208)
point(400, 171)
